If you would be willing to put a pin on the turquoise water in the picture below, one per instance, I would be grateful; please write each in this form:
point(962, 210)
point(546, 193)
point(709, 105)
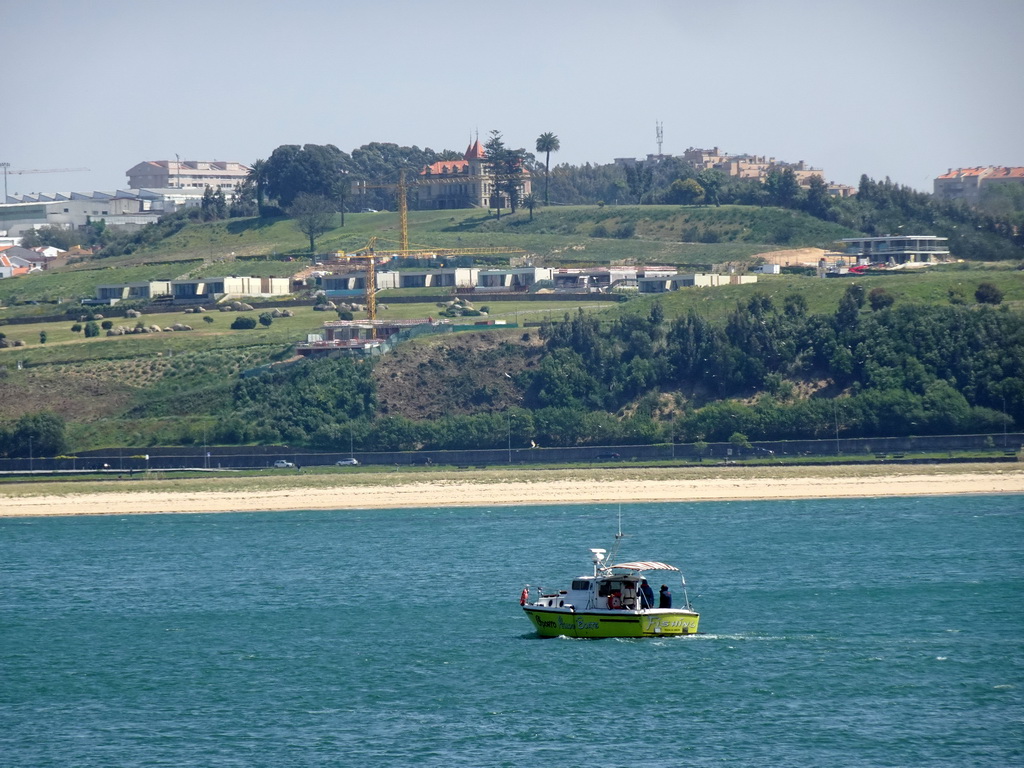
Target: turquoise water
point(834, 633)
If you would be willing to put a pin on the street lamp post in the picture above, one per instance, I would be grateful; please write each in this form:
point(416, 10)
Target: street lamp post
point(835, 413)
point(1004, 422)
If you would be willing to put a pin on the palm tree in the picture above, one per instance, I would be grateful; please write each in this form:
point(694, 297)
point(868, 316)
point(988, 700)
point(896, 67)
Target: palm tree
point(547, 143)
point(530, 202)
point(258, 176)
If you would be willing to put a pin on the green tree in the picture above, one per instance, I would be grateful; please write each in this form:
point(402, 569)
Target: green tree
point(782, 187)
point(243, 323)
point(818, 201)
point(313, 216)
point(207, 319)
point(92, 328)
point(42, 337)
point(639, 179)
point(206, 205)
point(711, 181)
point(795, 305)
point(220, 204)
point(880, 299)
point(988, 293)
point(547, 143)
point(739, 442)
point(507, 167)
point(266, 319)
point(312, 169)
point(38, 434)
point(686, 192)
point(258, 176)
point(530, 202)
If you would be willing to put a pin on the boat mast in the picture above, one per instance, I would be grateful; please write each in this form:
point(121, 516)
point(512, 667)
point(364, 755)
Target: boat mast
point(619, 536)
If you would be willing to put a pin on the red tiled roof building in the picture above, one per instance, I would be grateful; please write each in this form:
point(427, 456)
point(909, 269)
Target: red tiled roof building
point(966, 184)
point(464, 183)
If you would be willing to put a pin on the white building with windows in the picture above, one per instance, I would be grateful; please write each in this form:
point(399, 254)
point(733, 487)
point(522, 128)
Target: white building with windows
point(187, 174)
point(900, 249)
point(122, 209)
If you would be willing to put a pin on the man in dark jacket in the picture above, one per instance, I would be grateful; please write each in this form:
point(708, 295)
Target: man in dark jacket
point(646, 595)
point(664, 597)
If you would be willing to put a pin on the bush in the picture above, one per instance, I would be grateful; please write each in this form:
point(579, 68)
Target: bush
point(266, 319)
point(207, 319)
point(880, 299)
point(106, 325)
point(92, 328)
point(346, 315)
point(243, 323)
point(988, 293)
point(76, 328)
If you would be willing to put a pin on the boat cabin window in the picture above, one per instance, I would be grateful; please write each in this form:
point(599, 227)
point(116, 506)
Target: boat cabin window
point(616, 585)
point(581, 585)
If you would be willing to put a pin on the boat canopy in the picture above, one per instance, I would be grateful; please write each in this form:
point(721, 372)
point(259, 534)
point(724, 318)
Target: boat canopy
point(644, 565)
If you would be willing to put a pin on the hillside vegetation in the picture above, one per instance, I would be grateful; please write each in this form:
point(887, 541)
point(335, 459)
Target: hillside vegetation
point(794, 355)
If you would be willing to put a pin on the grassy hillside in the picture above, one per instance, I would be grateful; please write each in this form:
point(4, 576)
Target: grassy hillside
point(693, 238)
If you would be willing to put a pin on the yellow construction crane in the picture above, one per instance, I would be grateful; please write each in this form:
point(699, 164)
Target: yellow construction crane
point(402, 196)
point(8, 171)
point(40, 170)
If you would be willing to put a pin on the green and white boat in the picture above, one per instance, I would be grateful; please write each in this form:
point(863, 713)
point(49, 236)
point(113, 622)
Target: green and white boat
point(609, 603)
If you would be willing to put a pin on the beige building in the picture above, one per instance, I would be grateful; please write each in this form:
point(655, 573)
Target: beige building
point(216, 288)
point(186, 174)
point(665, 283)
point(141, 291)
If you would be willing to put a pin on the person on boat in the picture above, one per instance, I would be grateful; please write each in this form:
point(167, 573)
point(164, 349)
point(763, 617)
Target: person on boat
point(646, 595)
point(664, 597)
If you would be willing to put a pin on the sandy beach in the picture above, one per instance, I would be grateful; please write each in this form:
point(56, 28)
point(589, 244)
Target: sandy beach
point(493, 488)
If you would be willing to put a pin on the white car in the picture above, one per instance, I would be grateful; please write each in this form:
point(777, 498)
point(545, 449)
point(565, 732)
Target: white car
point(282, 464)
point(347, 463)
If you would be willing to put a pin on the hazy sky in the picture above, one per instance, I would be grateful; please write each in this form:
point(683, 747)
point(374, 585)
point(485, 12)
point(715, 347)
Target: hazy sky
point(899, 88)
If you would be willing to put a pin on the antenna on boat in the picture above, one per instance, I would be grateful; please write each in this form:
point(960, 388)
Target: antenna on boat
point(619, 536)
point(686, 597)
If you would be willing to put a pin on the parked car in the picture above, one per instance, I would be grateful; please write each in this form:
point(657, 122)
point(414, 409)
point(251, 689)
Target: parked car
point(347, 463)
point(282, 464)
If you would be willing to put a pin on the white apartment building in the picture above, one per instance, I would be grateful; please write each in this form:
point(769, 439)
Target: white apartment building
point(187, 174)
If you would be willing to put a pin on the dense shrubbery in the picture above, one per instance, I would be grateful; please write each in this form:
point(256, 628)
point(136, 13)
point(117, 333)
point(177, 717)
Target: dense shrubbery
point(311, 401)
point(36, 434)
point(900, 371)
